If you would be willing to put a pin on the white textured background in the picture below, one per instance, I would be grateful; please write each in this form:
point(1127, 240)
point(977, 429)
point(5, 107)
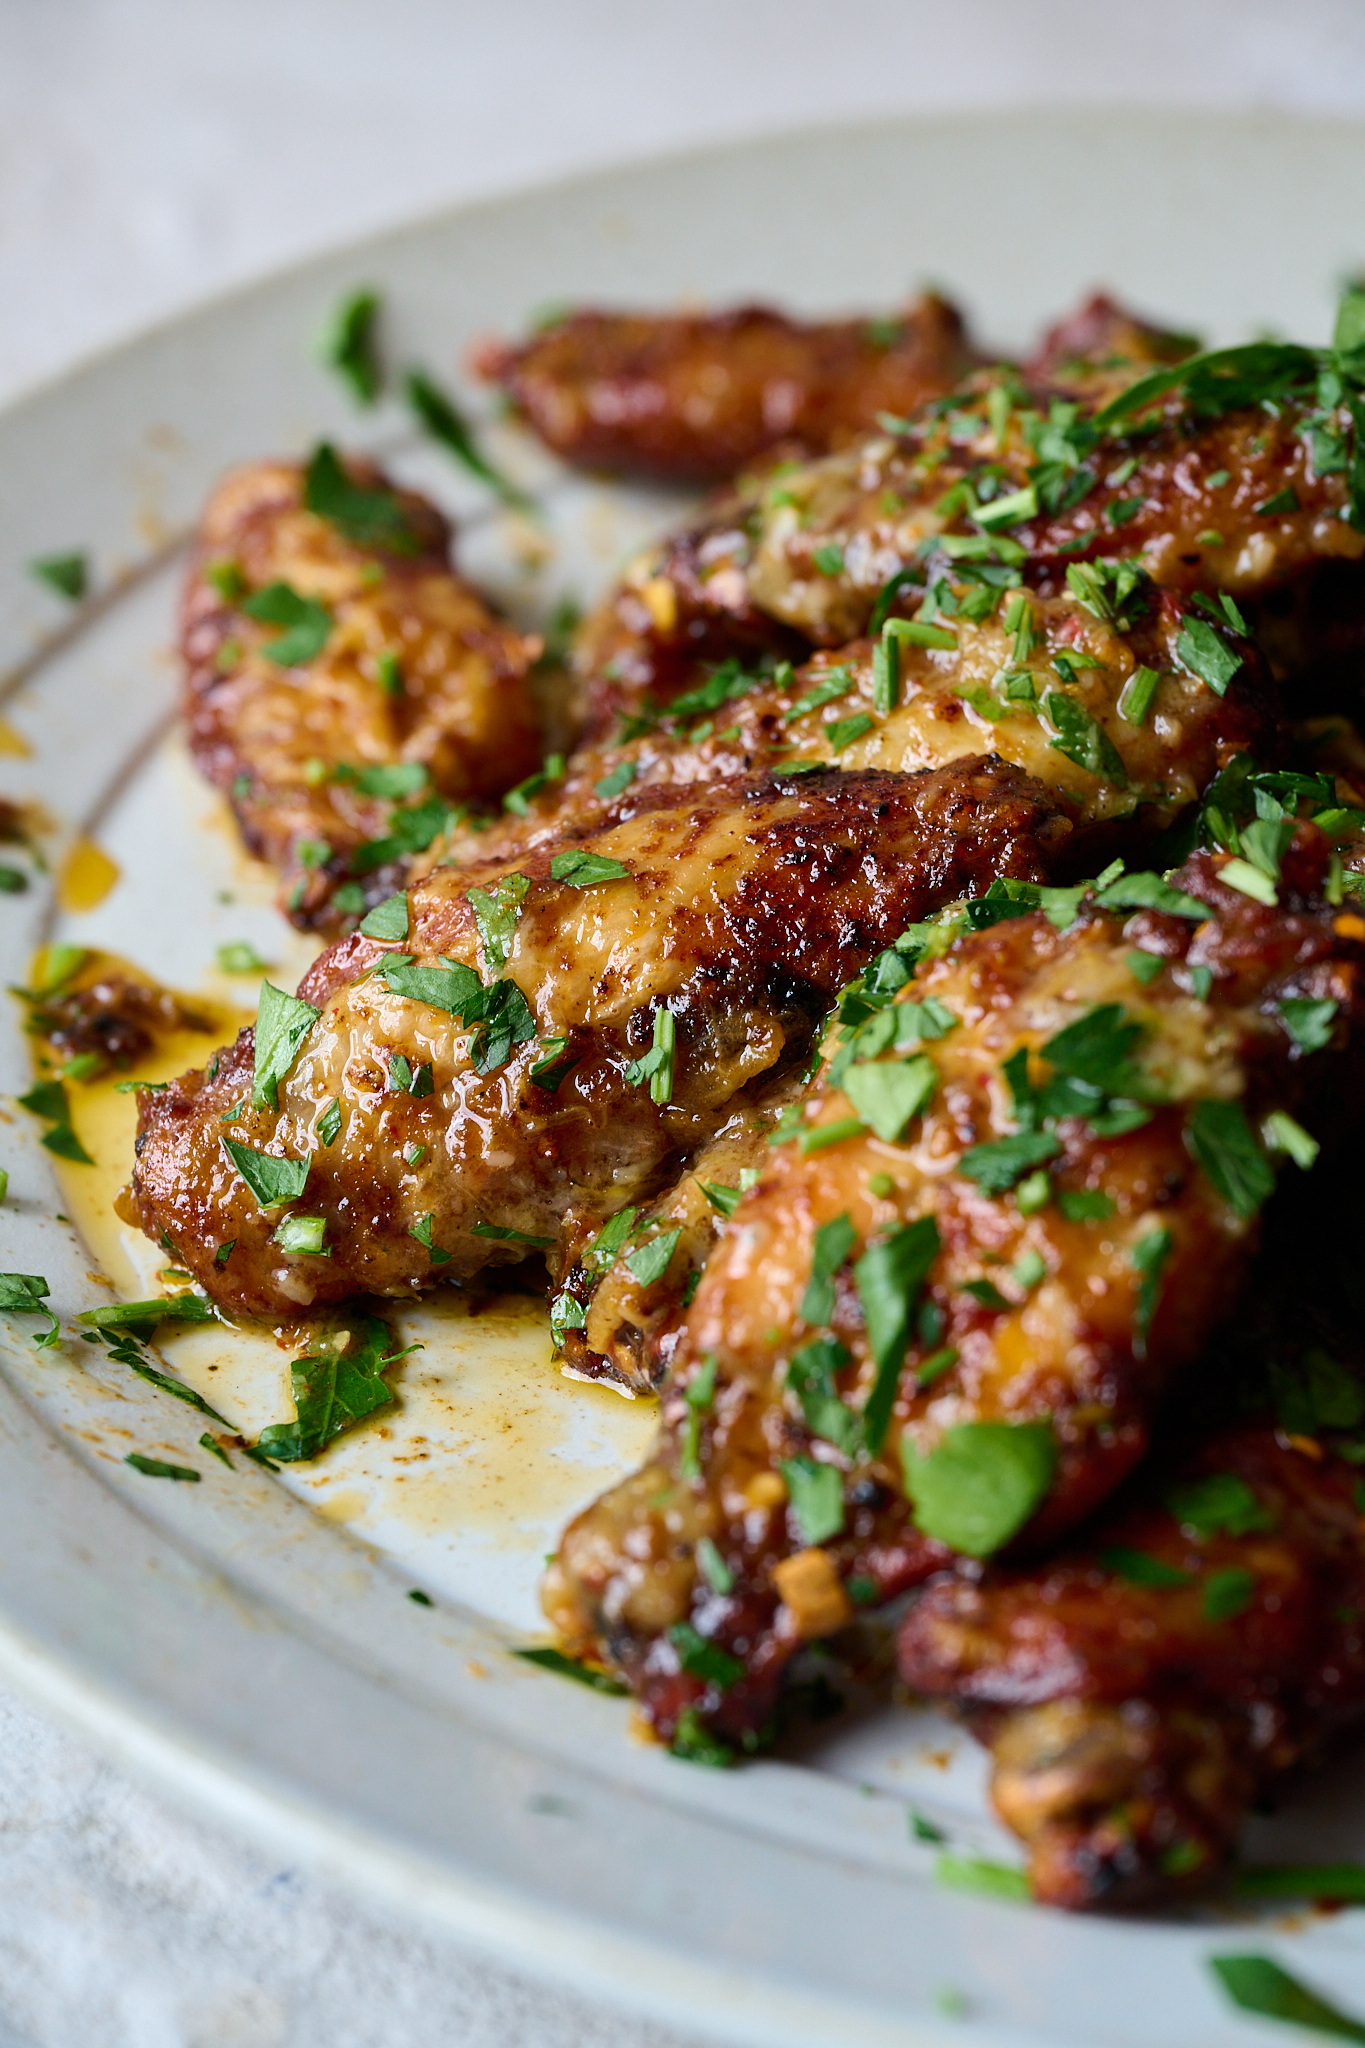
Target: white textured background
point(152, 151)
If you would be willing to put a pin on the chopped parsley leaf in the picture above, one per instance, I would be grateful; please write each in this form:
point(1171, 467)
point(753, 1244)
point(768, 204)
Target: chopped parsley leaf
point(496, 912)
point(1140, 1569)
point(422, 1232)
point(157, 1468)
point(811, 1374)
point(350, 347)
point(1256, 1984)
point(817, 1498)
point(1226, 1147)
point(24, 1294)
point(282, 1024)
point(271, 1180)
point(502, 1233)
point(437, 412)
point(388, 920)
point(369, 518)
point(1228, 1593)
point(333, 1390)
point(586, 870)
point(652, 1260)
point(68, 575)
point(1220, 1502)
point(888, 1093)
point(307, 624)
point(302, 1235)
point(889, 1277)
point(833, 1243)
point(981, 1483)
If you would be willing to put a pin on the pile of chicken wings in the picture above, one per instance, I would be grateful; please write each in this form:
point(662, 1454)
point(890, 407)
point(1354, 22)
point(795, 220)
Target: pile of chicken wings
point(916, 1031)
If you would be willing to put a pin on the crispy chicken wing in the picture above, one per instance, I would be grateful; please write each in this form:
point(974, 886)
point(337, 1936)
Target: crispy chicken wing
point(555, 1033)
point(1025, 1195)
point(342, 685)
point(693, 397)
point(1141, 1689)
point(1007, 482)
point(1106, 715)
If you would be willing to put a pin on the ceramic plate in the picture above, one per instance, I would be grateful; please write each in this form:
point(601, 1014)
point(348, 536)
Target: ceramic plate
point(252, 1638)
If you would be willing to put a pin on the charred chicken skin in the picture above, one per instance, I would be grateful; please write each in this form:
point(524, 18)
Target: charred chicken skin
point(555, 1033)
point(342, 686)
point(1140, 1689)
point(944, 1318)
point(691, 398)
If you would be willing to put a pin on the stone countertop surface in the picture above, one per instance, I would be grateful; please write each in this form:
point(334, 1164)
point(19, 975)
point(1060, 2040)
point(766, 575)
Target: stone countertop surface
point(153, 152)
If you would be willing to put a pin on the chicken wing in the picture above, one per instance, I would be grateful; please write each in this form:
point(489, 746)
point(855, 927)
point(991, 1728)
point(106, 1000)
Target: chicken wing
point(1234, 480)
point(1138, 1691)
point(553, 1034)
point(945, 1316)
point(342, 685)
point(691, 398)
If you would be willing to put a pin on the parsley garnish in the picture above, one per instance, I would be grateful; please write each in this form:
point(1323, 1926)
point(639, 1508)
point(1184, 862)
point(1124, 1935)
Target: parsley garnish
point(817, 1498)
point(504, 1234)
point(889, 1277)
point(24, 1294)
point(1308, 1023)
point(1140, 1569)
point(1258, 1985)
point(995, 1167)
point(176, 1308)
point(1227, 1149)
point(714, 1569)
point(1228, 1593)
point(329, 1123)
point(619, 779)
point(1149, 1255)
point(349, 346)
point(333, 1390)
point(586, 870)
point(435, 410)
point(844, 731)
point(833, 1243)
point(703, 1659)
point(157, 1468)
point(656, 1066)
point(570, 1667)
point(302, 1235)
point(888, 1093)
point(1220, 1502)
point(1082, 739)
point(388, 920)
point(554, 1064)
point(410, 831)
point(271, 1180)
point(652, 1260)
point(811, 1376)
point(370, 518)
point(422, 1232)
point(239, 956)
point(68, 575)
point(496, 912)
point(282, 1024)
point(1206, 655)
point(698, 1395)
point(307, 623)
point(47, 1100)
point(981, 1484)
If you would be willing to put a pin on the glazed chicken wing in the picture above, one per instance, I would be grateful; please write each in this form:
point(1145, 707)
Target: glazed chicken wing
point(1232, 481)
point(342, 685)
point(692, 397)
point(1138, 1691)
point(1104, 711)
point(945, 1316)
point(553, 1034)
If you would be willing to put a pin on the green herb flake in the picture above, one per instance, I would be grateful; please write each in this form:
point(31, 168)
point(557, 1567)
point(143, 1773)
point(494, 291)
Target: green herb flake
point(25, 1294)
point(995, 1167)
point(699, 1393)
point(157, 1468)
point(1337, 1882)
point(923, 1829)
point(820, 1137)
point(714, 1569)
point(1228, 1593)
point(349, 344)
point(1226, 1148)
point(978, 1874)
point(282, 1024)
point(570, 1667)
point(1206, 655)
point(887, 1094)
point(1308, 1023)
point(1140, 1569)
point(811, 1375)
point(173, 1308)
point(1221, 1502)
point(693, 1743)
point(889, 1277)
point(1280, 1133)
point(817, 1498)
point(437, 413)
point(833, 1243)
point(369, 518)
point(1256, 1984)
point(333, 1390)
point(301, 1235)
point(1135, 700)
point(68, 575)
point(1082, 739)
point(496, 912)
point(829, 560)
point(652, 1260)
point(1085, 1205)
point(617, 782)
point(587, 870)
point(272, 1180)
point(239, 956)
point(307, 624)
point(703, 1659)
point(981, 1484)
point(656, 1066)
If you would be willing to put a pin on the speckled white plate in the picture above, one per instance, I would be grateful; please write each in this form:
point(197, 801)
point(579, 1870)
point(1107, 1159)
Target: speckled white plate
point(250, 1638)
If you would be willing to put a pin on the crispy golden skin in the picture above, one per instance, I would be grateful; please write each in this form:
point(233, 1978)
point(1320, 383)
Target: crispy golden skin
point(1234, 504)
point(1116, 768)
point(1139, 1690)
point(1028, 1313)
point(692, 397)
point(287, 743)
point(743, 909)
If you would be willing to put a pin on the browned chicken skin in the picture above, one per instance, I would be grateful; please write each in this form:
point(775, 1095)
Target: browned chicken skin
point(693, 397)
point(1068, 1313)
point(726, 918)
point(1139, 1690)
point(399, 685)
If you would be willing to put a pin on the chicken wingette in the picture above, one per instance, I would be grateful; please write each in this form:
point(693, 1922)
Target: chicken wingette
point(692, 397)
point(944, 1318)
point(1230, 473)
point(1141, 1689)
point(342, 685)
point(507, 1042)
